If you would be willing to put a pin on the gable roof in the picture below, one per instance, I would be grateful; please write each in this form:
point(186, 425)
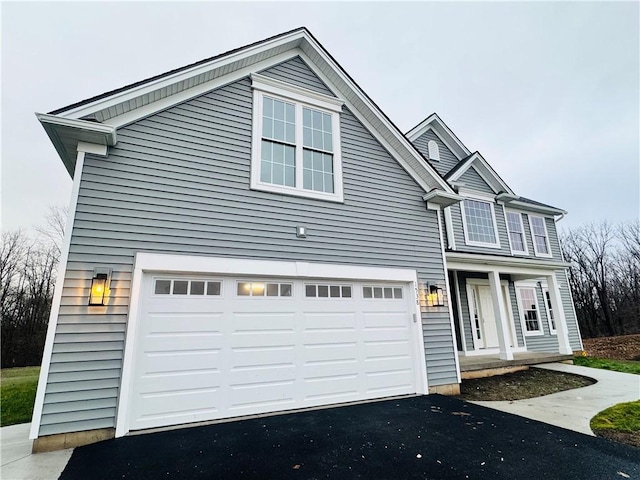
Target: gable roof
point(483, 168)
point(435, 123)
point(128, 104)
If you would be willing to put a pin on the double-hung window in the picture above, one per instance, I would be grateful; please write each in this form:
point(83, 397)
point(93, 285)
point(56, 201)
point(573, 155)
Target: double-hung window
point(529, 311)
point(540, 236)
point(296, 141)
point(479, 223)
point(516, 233)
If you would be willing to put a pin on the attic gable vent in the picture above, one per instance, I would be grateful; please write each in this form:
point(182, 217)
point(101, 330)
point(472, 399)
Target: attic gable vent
point(434, 151)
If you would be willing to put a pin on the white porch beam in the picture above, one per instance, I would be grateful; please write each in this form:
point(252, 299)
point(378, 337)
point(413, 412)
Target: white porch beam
point(558, 313)
point(501, 313)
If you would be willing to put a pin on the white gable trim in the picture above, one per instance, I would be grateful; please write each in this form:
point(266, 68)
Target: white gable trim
point(485, 170)
point(444, 141)
point(432, 121)
point(185, 95)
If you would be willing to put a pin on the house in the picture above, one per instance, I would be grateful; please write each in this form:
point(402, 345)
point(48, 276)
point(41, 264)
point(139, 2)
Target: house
point(507, 277)
point(252, 234)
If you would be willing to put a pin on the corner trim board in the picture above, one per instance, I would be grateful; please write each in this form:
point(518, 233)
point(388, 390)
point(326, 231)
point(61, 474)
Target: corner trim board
point(57, 300)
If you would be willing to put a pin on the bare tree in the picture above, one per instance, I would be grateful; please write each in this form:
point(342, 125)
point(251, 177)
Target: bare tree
point(605, 277)
point(55, 223)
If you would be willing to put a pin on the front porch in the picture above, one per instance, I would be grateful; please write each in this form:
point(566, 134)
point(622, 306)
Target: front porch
point(488, 365)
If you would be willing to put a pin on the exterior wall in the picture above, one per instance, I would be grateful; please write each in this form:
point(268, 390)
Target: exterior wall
point(472, 179)
point(447, 159)
point(178, 182)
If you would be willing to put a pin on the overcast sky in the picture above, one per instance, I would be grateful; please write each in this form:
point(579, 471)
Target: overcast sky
point(547, 92)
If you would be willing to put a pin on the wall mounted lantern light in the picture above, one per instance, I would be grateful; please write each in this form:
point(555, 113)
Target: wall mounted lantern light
point(435, 297)
point(99, 286)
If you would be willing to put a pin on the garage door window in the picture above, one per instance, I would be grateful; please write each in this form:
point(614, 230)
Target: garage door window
point(382, 292)
point(187, 287)
point(262, 289)
point(327, 291)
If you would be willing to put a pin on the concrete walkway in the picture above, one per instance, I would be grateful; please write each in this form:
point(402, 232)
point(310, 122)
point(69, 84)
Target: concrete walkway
point(17, 461)
point(574, 409)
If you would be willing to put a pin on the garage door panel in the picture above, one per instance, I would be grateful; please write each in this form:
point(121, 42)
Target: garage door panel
point(182, 342)
point(333, 388)
point(388, 364)
point(181, 361)
point(263, 375)
point(263, 322)
point(344, 321)
point(262, 339)
point(177, 322)
point(386, 319)
point(185, 401)
point(331, 369)
point(159, 383)
point(386, 348)
point(327, 352)
point(203, 358)
point(243, 397)
point(247, 357)
point(396, 380)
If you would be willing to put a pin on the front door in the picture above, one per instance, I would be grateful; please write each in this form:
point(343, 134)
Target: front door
point(487, 317)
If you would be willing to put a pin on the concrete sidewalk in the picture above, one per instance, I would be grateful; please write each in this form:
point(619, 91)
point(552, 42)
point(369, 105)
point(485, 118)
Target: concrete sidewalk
point(574, 409)
point(17, 462)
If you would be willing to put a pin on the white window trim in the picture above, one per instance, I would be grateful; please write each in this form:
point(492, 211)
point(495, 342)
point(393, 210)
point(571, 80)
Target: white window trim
point(525, 332)
point(301, 97)
point(465, 228)
point(524, 235)
point(533, 237)
point(545, 290)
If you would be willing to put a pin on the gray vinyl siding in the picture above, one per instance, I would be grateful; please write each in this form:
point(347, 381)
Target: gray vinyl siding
point(178, 183)
point(466, 315)
point(472, 180)
point(447, 159)
point(296, 71)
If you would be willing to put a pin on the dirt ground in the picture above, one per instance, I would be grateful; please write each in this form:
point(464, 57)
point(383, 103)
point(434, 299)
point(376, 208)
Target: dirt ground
point(625, 347)
point(530, 383)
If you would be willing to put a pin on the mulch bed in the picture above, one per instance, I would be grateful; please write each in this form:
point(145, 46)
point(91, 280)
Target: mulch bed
point(530, 383)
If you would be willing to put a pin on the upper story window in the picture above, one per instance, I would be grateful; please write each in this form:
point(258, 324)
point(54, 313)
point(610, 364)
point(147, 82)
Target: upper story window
point(296, 141)
point(434, 151)
point(516, 233)
point(479, 222)
point(540, 236)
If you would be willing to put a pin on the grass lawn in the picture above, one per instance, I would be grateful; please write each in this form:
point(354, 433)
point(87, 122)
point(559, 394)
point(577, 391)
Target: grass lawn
point(620, 423)
point(625, 366)
point(17, 394)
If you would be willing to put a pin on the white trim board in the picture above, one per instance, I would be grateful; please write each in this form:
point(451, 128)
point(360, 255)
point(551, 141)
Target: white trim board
point(57, 300)
point(183, 264)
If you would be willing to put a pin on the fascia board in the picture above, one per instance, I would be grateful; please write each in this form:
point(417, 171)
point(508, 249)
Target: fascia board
point(538, 208)
point(138, 91)
point(59, 129)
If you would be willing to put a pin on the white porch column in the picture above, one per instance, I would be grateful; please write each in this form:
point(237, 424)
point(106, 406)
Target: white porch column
point(558, 316)
point(500, 311)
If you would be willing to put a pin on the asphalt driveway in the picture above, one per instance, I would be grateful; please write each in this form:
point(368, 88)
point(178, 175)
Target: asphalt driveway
point(432, 437)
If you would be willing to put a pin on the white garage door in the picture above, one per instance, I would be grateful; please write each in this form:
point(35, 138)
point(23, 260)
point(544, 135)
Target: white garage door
point(210, 348)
